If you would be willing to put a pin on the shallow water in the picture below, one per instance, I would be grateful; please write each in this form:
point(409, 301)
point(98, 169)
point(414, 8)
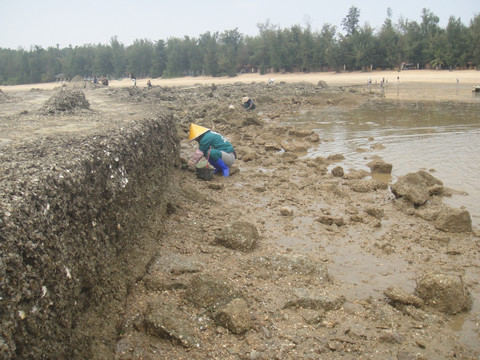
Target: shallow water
point(443, 138)
point(440, 137)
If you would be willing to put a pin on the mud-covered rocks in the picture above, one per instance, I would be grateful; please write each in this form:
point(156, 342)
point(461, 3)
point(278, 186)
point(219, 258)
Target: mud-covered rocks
point(242, 236)
point(210, 292)
point(168, 323)
point(337, 171)
point(330, 220)
point(454, 220)
point(65, 101)
point(416, 187)
point(235, 316)
point(445, 292)
point(380, 167)
point(398, 295)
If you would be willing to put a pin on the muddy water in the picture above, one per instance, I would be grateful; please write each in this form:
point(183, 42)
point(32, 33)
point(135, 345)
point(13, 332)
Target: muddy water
point(443, 138)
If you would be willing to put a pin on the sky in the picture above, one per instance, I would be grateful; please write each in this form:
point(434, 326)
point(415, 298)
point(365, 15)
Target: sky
point(45, 23)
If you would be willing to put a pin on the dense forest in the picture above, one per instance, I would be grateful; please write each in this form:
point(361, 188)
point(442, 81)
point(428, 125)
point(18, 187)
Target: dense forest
point(407, 43)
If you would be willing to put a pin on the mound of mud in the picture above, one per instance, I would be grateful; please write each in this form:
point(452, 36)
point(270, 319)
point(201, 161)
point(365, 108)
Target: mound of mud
point(70, 211)
point(65, 101)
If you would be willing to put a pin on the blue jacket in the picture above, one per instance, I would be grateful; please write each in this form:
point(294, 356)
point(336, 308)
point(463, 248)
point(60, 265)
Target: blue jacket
point(217, 143)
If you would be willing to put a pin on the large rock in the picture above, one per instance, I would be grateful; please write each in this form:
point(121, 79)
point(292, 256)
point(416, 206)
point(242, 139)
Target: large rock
point(167, 323)
point(235, 316)
point(454, 220)
point(380, 167)
point(444, 292)
point(241, 236)
point(416, 187)
point(207, 291)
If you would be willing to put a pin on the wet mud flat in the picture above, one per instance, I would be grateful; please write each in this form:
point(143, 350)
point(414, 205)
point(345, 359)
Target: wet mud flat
point(282, 260)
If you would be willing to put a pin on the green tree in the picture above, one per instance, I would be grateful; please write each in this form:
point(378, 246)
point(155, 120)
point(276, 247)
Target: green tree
point(229, 43)
point(119, 59)
point(388, 53)
point(139, 57)
point(177, 58)
point(473, 40)
point(209, 44)
point(103, 64)
point(159, 61)
point(350, 22)
point(455, 43)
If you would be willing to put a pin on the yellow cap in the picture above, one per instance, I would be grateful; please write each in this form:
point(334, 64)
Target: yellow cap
point(196, 131)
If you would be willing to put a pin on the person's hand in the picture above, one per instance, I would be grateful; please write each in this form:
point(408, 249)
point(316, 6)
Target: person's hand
point(191, 163)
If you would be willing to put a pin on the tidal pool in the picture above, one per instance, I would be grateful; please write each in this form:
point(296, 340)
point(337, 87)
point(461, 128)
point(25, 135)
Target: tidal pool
point(442, 138)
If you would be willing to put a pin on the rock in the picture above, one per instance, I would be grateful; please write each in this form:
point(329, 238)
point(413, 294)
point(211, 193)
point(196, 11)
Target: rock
point(376, 212)
point(338, 171)
point(286, 211)
point(335, 158)
point(380, 167)
point(444, 292)
point(242, 236)
point(356, 174)
point(398, 295)
point(377, 146)
point(415, 187)
point(454, 220)
point(330, 220)
point(303, 298)
point(167, 323)
point(234, 316)
point(366, 185)
point(207, 291)
point(289, 157)
point(300, 133)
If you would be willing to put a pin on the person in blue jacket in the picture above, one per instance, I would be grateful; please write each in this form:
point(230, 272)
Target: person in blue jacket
point(214, 147)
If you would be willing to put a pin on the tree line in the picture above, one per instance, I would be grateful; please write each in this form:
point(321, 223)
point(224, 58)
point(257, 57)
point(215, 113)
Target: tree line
point(407, 43)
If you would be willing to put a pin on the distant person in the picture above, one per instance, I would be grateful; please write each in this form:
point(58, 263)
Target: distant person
point(149, 83)
point(134, 80)
point(248, 103)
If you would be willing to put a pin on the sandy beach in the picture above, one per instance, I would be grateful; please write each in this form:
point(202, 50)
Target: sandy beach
point(465, 77)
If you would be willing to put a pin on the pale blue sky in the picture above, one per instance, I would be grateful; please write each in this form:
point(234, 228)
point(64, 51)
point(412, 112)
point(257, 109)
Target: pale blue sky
point(49, 22)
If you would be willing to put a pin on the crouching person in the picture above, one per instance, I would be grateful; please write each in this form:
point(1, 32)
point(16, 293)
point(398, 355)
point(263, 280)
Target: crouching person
point(214, 147)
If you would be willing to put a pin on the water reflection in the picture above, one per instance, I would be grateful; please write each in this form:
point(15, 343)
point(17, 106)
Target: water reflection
point(440, 137)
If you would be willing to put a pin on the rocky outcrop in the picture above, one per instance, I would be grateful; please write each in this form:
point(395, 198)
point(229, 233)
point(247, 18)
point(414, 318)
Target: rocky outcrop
point(70, 210)
point(445, 292)
point(416, 187)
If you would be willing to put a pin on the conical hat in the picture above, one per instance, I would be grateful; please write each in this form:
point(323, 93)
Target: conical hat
point(245, 99)
point(196, 131)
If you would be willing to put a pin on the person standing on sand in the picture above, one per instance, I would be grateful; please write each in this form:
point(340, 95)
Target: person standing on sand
point(214, 147)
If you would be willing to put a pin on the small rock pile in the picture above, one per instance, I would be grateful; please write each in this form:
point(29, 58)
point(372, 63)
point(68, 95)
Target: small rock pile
point(65, 101)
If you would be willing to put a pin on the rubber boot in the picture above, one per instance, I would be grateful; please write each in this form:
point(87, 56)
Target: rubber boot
point(219, 165)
